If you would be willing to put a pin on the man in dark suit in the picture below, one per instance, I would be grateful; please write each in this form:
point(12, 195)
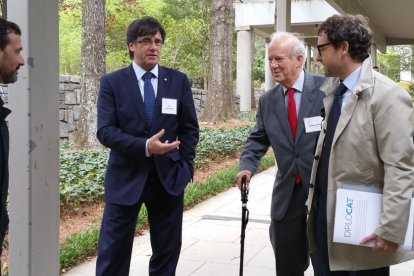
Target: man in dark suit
point(146, 116)
point(10, 62)
point(288, 119)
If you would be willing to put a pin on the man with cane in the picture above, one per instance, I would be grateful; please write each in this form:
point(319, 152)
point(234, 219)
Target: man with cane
point(283, 122)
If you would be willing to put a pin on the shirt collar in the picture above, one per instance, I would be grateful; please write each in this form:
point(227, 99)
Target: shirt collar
point(352, 79)
point(139, 71)
point(298, 85)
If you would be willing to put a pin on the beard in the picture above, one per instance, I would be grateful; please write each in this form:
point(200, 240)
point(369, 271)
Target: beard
point(8, 77)
point(7, 73)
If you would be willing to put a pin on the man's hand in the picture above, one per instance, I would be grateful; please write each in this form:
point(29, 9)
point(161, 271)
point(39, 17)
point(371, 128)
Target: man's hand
point(380, 244)
point(239, 177)
point(155, 146)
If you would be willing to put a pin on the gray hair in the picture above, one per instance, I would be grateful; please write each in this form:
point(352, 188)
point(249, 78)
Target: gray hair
point(298, 44)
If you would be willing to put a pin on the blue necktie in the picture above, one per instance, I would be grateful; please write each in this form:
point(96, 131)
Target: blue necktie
point(322, 173)
point(149, 96)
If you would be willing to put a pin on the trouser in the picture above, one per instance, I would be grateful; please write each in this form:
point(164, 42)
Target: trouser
point(288, 237)
point(165, 214)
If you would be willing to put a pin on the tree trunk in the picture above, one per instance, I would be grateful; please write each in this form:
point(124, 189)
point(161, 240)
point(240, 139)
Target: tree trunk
point(220, 99)
point(92, 68)
point(3, 7)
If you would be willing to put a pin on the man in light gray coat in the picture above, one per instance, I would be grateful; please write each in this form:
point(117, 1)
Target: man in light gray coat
point(370, 145)
point(285, 121)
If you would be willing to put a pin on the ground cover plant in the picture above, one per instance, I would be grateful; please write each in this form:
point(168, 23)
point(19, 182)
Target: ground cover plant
point(82, 172)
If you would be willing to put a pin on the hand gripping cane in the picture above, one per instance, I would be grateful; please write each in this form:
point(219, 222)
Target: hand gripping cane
point(245, 220)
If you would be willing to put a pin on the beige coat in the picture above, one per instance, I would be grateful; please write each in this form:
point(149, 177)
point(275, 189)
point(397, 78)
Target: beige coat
point(373, 145)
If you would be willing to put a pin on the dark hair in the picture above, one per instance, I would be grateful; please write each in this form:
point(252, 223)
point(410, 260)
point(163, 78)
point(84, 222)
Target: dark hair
point(147, 25)
point(351, 28)
point(7, 27)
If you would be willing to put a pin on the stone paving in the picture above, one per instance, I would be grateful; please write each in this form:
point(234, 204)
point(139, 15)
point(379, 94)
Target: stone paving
point(211, 238)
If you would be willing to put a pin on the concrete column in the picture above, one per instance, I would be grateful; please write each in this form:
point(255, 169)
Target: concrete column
point(283, 9)
point(308, 57)
point(244, 65)
point(268, 74)
point(374, 54)
point(315, 63)
point(34, 143)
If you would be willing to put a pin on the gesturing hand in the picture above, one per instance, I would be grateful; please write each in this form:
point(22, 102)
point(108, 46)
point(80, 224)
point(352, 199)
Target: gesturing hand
point(155, 146)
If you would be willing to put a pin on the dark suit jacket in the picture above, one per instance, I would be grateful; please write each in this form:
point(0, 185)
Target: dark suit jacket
point(4, 170)
point(272, 129)
point(122, 127)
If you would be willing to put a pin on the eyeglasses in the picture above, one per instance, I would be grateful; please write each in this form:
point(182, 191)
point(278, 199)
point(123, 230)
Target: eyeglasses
point(148, 42)
point(320, 46)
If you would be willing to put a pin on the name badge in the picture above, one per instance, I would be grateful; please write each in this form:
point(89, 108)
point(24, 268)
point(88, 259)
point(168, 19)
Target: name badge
point(313, 124)
point(169, 106)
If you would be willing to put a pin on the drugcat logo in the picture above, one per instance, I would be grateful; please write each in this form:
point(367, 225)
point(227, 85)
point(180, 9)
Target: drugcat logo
point(348, 217)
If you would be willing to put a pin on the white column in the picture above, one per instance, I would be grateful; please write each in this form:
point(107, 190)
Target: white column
point(268, 74)
point(308, 57)
point(316, 64)
point(244, 65)
point(283, 22)
point(374, 54)
point(34, 143)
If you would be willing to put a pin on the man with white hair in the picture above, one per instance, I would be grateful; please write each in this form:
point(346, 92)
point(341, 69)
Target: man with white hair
point(287, 120)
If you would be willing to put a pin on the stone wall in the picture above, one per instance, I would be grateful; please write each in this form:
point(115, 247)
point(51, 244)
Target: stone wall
point(69, 103)
point(200, 97)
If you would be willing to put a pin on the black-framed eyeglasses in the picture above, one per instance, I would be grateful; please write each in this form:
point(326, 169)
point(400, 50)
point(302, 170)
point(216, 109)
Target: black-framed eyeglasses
point(148, 42)
point(320, 46)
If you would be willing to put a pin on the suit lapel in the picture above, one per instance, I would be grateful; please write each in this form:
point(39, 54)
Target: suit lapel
point(135, 93)
point(306, 103)
point(161, 92)
point(280, 112)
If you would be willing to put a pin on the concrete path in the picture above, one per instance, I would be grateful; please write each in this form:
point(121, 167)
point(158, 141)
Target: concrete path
point(211, 238)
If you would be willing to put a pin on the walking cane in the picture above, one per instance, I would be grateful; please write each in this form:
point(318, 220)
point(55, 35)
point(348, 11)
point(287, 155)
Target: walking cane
point(245, 220)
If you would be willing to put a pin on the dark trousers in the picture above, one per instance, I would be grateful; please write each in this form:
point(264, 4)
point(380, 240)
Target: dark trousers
point(288, 237)
point(165, 215)
point(320, 258)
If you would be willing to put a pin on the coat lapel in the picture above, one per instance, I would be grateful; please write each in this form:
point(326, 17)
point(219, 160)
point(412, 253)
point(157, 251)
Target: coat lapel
point(135, 92)
point(280, 112)
point(306, 103)
point(364, 82)
point(345, 117)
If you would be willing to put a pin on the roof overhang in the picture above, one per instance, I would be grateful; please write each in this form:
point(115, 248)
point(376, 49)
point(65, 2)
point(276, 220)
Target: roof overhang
point(391, 21)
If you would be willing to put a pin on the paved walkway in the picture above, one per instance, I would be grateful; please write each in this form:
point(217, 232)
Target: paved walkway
point(211, 238)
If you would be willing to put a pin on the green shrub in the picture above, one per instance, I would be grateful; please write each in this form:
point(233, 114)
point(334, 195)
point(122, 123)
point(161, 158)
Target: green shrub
point(411, 90)
point(82, 172)
point(82, 176)
point(247, 116)
point(219, 143)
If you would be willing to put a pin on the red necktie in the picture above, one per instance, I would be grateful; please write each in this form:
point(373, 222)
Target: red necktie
point(293, 120)
point(292, 117)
